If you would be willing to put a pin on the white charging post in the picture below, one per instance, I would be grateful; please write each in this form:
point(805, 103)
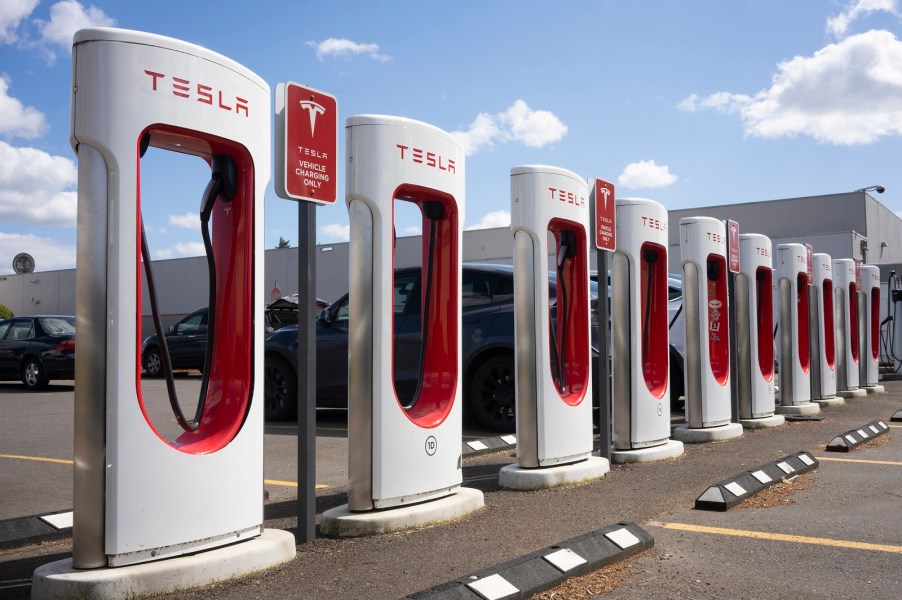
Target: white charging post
point(823, 333)
point(870, 372)
point(755, 327)
point(550, 225)
point(404, 440)
point(703, 246)
point(845, 296)
point(640, 335)
point(142, 494)
point(794, 348)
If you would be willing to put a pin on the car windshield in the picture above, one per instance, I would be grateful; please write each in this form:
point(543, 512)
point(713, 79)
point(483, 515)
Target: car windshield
point(58, 325)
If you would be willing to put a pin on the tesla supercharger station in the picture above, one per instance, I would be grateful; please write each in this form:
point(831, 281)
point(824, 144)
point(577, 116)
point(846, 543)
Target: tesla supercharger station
point(870, 283)
point(404, 443)
point(754, 332)
point(550, 224)
point(845, 300)
point(640, 335)
point(794, 345)
point(823, 333)
point(139, 494)
point(703, 246)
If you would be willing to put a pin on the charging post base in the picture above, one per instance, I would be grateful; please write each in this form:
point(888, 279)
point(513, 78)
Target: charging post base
point(807, 409)
point(669, 449)
point(875, 389)
point(701, 435)
point(856, 393)
point(763, 422)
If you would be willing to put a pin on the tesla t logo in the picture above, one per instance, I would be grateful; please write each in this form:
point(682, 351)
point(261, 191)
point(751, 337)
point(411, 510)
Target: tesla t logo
point(313, 109)
point(605, 192)
point(183, 88)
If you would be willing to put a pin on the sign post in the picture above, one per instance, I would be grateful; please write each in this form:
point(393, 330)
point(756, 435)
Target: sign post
point(307, 170)
point(603, 216)
point(733, 258)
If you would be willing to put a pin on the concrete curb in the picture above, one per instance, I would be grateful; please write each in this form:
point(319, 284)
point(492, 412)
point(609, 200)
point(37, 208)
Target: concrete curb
point(488, 445)
point(546, 568)
point(855, 437)
point(726, 494)
point(21, 531)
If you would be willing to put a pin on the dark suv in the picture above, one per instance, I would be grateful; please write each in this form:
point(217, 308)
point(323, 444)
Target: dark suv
point(487, 304)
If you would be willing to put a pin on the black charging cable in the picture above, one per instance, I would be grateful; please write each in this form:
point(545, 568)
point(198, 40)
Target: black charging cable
point(650, 257)
point(566, 250)
point(222, 185)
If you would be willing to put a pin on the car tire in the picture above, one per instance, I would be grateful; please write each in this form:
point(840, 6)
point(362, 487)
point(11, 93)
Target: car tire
point(153, 362)
point(33, 375)
point(280, 390)
point(492, 393)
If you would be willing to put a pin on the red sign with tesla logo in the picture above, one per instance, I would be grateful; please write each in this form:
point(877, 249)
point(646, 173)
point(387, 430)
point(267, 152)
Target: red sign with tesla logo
point(308, 120)
point(733, 236)
point(605, 212)
point(809, 252)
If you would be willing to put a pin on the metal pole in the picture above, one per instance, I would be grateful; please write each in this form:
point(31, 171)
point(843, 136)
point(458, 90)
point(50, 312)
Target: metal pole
point(604, 352)
point(306, 529)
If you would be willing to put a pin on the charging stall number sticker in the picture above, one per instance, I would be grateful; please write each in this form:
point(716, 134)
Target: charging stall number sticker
point(604, 216)
point(308, 159)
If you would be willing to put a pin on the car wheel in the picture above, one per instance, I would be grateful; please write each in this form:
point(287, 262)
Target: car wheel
point(33, 374)
point(153, 362)
point(492, 393)
point(280, 390)
point(676, 387)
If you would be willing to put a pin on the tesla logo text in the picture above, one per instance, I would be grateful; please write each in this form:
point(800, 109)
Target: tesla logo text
point(430, 159)
point(826, 267)
point(314, 109)
point(715, 237)
point(654, 223)
point(568, 197)
point(183, 88)
point(802, 259)
point(762, 251)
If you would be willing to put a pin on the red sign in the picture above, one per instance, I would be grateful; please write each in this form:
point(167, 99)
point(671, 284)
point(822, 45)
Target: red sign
point(605, 230)
point(857, 274)
point(307, 120)
point(809, 252)
point(275, 294)
point(733, 246)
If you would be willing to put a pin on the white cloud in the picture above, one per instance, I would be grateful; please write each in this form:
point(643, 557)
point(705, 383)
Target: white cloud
point(17, 119)
point(49, 254)
point(520, 123)
point(498, 218)
point(342, 48)
point(181, 249)
point(838, 25)
point(846, 93)
point(67, 17)
point(186, 221)
point(36, 187)
point(413, 230)
point(336, 232)
point(12, 12)
point(646, 174)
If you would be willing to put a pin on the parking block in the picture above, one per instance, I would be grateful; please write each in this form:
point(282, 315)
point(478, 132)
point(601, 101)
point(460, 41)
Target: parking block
point(855, 437)
point(546, 568)
point(726, 494)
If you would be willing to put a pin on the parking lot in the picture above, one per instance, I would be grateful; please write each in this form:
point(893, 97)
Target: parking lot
point(834, 533)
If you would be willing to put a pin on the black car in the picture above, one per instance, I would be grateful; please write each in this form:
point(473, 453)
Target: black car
point(187, 341)
point(37, 349)
point(487, 304)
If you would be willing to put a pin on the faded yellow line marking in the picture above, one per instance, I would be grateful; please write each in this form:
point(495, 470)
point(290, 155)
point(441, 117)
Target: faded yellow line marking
point(294, 484)
point(61, 461)
point(780, 537)
point(896, 426)
point(861, 460)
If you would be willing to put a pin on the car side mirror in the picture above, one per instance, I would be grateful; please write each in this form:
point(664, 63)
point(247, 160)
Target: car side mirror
point(324, 317)
point(172, 329)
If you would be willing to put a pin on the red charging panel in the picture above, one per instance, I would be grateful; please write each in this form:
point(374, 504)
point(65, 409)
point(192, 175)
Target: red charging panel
point(575, 355)
point(802, 321)
point(232, 234)
point(440, 367)
point(875, 323)
point(829, 347)
point(765, 311)
point(853, 320)
point(653, 311)
point(718, 321)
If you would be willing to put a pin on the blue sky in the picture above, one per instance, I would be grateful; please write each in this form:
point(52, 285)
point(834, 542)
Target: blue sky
point(690, 103)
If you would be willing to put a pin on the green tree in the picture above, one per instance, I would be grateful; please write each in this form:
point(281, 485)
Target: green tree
point(5, 313)
point(283, 243)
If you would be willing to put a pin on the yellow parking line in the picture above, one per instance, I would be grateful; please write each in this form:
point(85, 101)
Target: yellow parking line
point(861, 460)
point(62, 461)
point(780, 537)
point(319, 486)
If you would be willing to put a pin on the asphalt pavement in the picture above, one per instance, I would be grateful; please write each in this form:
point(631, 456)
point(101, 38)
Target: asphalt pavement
point(839, 535)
